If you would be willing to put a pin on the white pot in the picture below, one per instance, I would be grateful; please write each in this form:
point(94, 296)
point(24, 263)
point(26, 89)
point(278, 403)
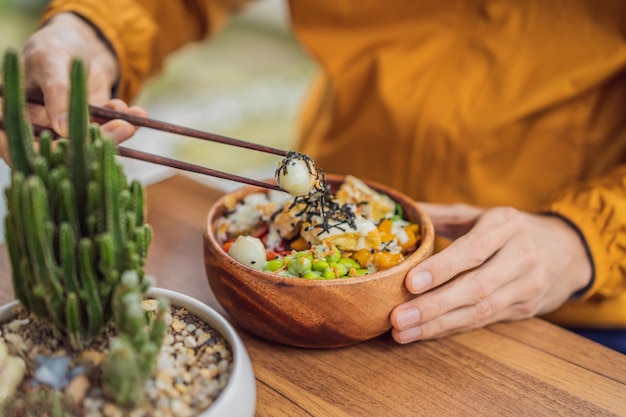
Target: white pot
point(239, 396)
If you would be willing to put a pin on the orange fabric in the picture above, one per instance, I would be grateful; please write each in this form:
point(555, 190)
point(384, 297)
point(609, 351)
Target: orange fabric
point(487, 102)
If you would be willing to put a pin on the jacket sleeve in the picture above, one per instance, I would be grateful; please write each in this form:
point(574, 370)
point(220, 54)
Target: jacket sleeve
point(142, 33)
point(598, 209)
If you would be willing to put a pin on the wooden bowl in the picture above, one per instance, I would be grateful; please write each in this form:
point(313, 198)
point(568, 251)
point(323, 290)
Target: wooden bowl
point(311, 313)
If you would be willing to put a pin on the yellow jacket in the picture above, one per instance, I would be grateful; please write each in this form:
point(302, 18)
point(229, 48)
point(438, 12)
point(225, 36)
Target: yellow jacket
point(487, 102)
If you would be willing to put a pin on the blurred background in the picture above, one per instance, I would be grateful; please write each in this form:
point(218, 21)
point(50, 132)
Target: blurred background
point(247, 82)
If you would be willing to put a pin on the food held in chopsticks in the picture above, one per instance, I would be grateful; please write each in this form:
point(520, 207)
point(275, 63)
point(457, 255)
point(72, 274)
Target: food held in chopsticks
point(297, 174)
point(318, 235)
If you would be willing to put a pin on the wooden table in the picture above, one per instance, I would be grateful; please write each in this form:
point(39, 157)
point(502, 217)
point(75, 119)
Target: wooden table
point(528, 368)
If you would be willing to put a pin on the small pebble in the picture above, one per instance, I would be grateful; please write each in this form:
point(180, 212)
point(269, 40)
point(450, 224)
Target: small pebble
point(177, 325)
point(16, 342)
point(190, 342)
point(202, 338)
point(111, 410)
point(92, 356)
point(15, 325)
point(53, 371)
point(137, 413)
point(150, 305)
point(78, 387)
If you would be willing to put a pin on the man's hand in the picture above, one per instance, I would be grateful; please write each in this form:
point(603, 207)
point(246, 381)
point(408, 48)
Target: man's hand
point(503, 265)
point(48, 54)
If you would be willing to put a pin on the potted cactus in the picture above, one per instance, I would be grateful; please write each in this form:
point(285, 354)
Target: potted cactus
point(78, 241)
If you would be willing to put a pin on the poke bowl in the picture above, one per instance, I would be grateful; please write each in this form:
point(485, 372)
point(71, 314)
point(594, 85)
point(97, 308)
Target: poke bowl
point(286, 297)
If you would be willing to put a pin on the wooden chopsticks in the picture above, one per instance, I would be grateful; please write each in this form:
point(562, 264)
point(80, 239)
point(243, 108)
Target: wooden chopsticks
point(103, 114)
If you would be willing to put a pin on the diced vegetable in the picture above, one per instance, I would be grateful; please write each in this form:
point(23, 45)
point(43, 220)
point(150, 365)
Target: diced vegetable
point(385, 260)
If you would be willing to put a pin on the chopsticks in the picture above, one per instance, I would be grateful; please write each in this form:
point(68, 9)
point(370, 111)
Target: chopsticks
point(172, 163)
point(104, 114)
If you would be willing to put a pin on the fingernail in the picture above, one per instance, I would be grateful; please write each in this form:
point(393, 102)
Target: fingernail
point(116, 132)
point(62, 125)
point(408, 317)
point(420, 281)
point(410, 335)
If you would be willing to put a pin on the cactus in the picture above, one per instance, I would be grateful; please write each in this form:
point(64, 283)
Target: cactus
point(75, 227)
point(132, 356)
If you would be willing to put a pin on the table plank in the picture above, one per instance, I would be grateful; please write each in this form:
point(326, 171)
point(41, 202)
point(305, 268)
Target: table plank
point(176, 257)
point(529, 367)
point(556, 373)
point(550, 338)
point(442, 377)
